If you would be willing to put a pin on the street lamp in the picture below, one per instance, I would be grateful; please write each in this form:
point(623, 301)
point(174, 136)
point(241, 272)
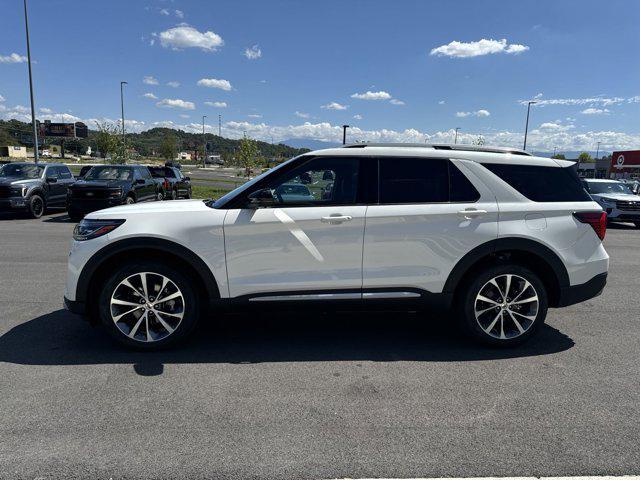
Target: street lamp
point(526, 127)
point(204, 145)
point(219, 125)
point(455, 140)
point(33, 108)
point(598, 150)
point(344, 134)
point(124, 146)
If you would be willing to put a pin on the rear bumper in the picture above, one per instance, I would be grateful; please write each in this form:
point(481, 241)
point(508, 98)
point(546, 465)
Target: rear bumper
point(580, 293)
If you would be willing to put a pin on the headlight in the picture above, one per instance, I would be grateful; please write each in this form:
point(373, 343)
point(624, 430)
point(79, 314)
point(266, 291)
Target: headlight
point(19, 191)
point(89, 229)
point(117, 192)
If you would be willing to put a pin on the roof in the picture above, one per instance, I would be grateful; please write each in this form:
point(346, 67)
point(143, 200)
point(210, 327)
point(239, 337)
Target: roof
point(481, 154)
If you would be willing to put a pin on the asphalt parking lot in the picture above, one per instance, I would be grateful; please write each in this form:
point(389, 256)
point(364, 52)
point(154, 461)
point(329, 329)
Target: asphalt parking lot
point(312, 396)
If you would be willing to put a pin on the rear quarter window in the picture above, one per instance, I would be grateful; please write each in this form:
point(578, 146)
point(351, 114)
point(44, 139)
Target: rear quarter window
point(541, 183)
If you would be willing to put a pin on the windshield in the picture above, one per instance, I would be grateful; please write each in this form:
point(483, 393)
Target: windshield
point(20, 170)
point(109, 173)
point(608, 187)
point(233, 193)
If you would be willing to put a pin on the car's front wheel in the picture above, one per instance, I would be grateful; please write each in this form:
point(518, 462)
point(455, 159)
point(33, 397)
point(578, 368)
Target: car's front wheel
point(148, 305)
point(36, 206)
point(503, 305)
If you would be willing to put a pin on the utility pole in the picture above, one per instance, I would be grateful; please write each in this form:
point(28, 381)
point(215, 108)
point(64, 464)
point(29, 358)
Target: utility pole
point(219, 125)
point(598, 150)
point(204, 145)
point(33, 108)
point(554, 151)
point(526, 127)
point(455, 140)
point(344, 134)
point(124, 143)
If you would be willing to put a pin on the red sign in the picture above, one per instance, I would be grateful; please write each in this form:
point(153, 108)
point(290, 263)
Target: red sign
point(630, 158)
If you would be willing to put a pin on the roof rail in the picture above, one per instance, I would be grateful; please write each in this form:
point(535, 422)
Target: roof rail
point(443, 146)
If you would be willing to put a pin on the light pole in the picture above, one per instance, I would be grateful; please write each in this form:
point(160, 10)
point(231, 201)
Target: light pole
point(554, 151)
point(219, 125)
point(598, 150)
point(204, 145)
point(33, 108)
point(526, 127)
point(455, 140)
point(124, 146)
point(344, 134)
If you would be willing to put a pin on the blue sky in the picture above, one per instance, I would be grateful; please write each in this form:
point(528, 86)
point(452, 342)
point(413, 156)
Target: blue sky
point(394, 70)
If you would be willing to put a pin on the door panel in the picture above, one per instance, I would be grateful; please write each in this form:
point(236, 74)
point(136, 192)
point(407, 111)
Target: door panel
point(294, 249)
point(417, 245)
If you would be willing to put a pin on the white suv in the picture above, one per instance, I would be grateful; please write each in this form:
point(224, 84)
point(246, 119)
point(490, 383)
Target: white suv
point(616, 198)
point(496, 235)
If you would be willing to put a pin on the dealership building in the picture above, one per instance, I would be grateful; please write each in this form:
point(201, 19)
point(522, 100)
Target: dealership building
point(625, 164)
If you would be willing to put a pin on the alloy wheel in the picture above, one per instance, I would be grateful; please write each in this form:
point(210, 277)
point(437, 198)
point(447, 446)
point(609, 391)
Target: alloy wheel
point(506, 306)
point(147, 307)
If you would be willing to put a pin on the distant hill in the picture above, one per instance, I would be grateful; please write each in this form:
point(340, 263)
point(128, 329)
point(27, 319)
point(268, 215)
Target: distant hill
point(310, 144)
point(147, 143)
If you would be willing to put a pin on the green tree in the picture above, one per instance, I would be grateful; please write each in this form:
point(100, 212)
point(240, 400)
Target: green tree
point(584, 157)
point(107, 139)
point(559, 156)
point(169, 147)
point(247, 152)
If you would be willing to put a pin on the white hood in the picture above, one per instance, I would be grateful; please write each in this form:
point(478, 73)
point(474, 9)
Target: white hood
point(173, 206)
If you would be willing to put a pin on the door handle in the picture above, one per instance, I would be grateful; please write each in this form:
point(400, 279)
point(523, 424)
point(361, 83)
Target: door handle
point(471, 213)
point(336, 219)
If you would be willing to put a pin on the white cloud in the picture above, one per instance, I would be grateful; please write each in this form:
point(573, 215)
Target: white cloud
point(150, 80)
point(475, 49)
point(173, 84)
point(441, 102)
point(253, 53)
point(179, 13)
point(555, 126)
point(21, 109)
point(176, 103)
point(595, 111)
point(164, 11)
point(215, 83)
point(395, 101)
point(358, 117)
point(185, 36)
point(369, 95)
point(13, 58)
point(216, 104)
point(334, 106)
point(302, 114)
point(2, 99)
point(150, 95)
point(254, 115)
point(603, 101)
point(46, 110)
point(477, 113)
point(184, 115)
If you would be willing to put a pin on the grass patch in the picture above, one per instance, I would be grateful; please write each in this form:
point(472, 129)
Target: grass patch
point(199, 191)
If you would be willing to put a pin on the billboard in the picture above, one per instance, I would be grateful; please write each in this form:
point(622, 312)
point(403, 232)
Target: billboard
point(66, 130)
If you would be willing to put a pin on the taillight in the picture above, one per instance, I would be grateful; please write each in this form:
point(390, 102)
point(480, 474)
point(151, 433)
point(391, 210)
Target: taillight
point(597, 220)
point(166, 184)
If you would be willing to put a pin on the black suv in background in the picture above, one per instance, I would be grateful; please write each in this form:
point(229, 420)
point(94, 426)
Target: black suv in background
point(27, 187)
point(172, 182)
point(106, 186)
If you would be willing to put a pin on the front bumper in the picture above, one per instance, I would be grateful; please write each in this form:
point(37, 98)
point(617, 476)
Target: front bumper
point(579, 293)
point(614, 213)
point(79, 308)
point(87, 206)
point(13, 203)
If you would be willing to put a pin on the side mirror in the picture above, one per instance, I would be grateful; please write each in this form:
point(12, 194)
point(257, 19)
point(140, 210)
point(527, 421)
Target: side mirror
point(52, 180)
point(262, 198)
point(140, 181)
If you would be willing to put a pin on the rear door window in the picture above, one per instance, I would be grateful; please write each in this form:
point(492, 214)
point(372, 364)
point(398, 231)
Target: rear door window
point(541, 183)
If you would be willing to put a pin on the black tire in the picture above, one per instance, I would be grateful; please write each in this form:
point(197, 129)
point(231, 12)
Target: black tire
point(189, 307)
point(509, 334)
point(36, 206)
point(174, 194)
point(160, 195)
point(130, 200)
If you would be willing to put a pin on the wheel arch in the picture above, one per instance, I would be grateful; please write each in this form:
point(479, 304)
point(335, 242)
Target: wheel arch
point(526, 252)
point(107, 259)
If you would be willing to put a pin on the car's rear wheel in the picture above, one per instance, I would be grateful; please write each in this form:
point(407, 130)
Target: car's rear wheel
point(148, 305)
point(130, 200)
point(36, 206)
point(174, 194)
point(503, 305)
